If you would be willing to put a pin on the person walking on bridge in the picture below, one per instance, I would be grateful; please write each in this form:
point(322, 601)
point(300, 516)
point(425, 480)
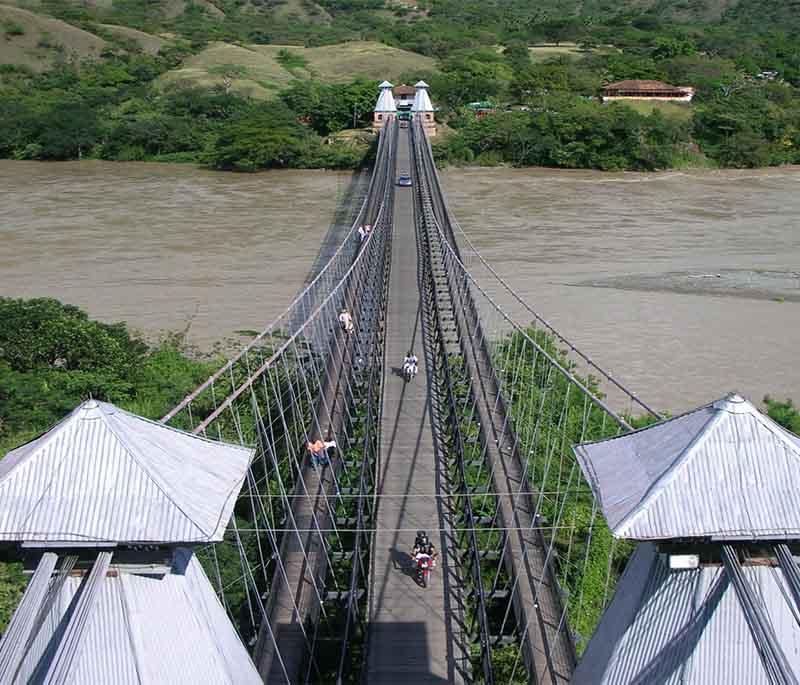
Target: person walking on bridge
point(318, 450)
point(346, 321)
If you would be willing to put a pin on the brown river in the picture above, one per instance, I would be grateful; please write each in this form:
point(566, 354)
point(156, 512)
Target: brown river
point(684, 285)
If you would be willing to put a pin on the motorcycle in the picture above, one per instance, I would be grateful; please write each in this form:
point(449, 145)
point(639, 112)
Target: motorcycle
point(424, 566)
point(409, 371)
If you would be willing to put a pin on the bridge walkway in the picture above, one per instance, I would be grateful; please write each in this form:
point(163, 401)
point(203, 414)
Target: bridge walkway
point(410, 639)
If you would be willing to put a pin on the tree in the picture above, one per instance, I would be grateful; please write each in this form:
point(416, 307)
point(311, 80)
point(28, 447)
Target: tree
point(517, 55)
point(668, 47)
point(68, 130)
point(264, 138)
point(564, 29)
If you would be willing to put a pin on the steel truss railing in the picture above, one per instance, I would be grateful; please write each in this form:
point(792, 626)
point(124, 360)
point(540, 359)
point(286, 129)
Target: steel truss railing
point(435, 315)
point(467, 328)
point(306, 316)
point(365, 368)
point(473, 262)
point(335, 418)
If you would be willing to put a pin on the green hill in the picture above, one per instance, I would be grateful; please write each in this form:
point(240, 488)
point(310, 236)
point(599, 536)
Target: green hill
point(257, 71)
point(204, 79)
point(36, 41)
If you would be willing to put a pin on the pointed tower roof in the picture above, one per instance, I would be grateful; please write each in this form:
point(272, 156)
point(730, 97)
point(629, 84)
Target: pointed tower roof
point(104, 475)
point(386, 101)
point(679, 626)
point(137, 626)
point(422, 101)
point(724, 471)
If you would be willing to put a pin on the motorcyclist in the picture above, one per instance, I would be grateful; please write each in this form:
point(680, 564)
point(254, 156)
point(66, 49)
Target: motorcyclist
point(410, 365)
point(422, 545)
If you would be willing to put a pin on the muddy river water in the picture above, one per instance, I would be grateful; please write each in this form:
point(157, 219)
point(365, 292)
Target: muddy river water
point(685, 285)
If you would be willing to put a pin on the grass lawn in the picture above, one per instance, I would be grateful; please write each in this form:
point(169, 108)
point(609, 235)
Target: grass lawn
point(544, 51)
point(672, 110)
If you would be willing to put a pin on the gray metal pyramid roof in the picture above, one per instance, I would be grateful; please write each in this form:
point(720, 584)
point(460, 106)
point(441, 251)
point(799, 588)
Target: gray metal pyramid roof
point(386, 101)
point(105, 475)
point(422, 101)
point(686, 627)
point(724, 471)
point(116, 626)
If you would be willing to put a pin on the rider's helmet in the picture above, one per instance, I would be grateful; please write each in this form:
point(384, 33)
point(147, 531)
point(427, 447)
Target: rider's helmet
point(422, 538)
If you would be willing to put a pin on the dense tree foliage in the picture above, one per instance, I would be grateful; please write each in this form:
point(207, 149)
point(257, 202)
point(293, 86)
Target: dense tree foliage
point(112, 109)
point(744, 63)
point(569, 132)
point(53, 356)
point(785, 413)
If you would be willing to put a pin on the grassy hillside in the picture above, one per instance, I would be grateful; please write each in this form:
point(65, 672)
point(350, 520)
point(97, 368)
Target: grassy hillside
point(170, 79)
point(36, 41)
point(257, 70)
point(148, 43)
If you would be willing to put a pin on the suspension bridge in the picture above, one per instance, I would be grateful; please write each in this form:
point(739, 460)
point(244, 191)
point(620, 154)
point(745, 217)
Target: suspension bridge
point(314, 568)
point(328, 584)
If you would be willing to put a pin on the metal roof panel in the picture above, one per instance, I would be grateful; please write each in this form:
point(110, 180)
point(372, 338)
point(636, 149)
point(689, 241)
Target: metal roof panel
point(722, 471)
point(103, 474)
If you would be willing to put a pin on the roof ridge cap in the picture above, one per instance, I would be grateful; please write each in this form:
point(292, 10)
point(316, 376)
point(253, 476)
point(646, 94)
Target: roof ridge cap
point(155, 480)
point(657, 487)
point(777, 430)
point(649, 426)
point(46, 437)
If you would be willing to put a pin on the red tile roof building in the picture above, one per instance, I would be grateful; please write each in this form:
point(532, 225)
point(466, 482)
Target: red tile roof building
point(646, 90)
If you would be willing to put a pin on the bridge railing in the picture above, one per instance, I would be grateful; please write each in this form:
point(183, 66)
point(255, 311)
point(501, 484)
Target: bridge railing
point(309, 316)
point(622, 398)
point(273, 395)
point(547, 396)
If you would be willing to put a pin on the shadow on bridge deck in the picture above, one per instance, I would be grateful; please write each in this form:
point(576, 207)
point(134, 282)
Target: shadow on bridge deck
point(410, 628)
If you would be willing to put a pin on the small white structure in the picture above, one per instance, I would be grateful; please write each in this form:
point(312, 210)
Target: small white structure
point(423, 108)
point(690, 626)
point(105, 475)
point(385, 108)
point(711, 595)
point(106, 508)
point(708, 473)
point(112, 621)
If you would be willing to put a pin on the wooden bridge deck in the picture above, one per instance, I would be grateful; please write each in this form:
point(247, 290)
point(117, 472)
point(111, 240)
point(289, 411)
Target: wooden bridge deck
point(409, 634)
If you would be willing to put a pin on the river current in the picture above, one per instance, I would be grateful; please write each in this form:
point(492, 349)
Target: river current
point(685, 285)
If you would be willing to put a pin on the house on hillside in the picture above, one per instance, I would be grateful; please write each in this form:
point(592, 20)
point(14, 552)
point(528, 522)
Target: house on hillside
point(482, 108)
point(635, 89)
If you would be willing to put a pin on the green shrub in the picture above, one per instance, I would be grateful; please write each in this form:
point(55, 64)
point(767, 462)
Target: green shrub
point(12, 28)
